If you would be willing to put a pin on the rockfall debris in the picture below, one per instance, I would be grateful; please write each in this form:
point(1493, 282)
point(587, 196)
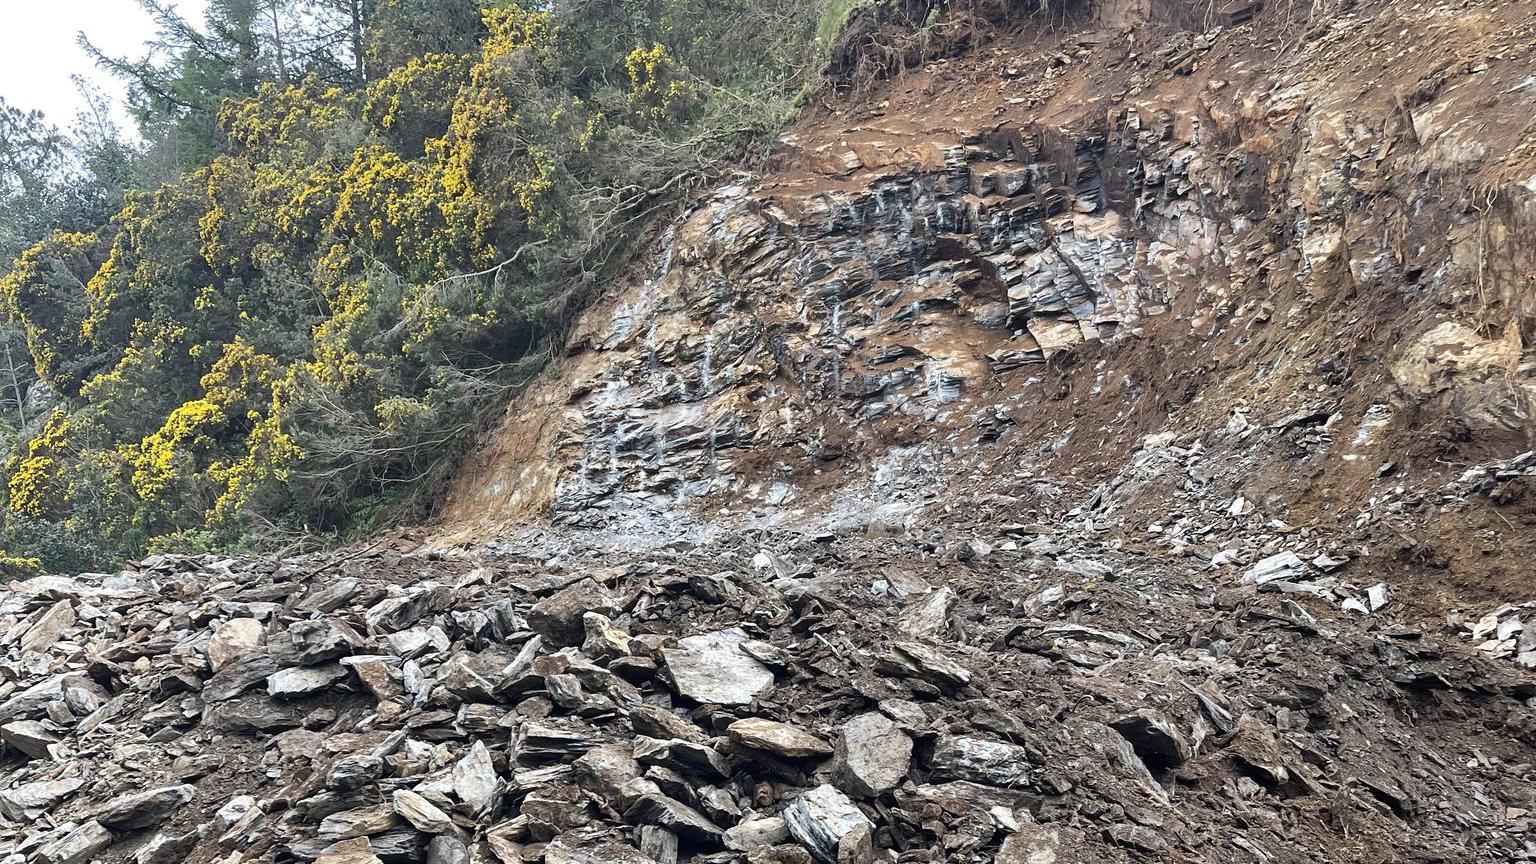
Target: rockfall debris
point(431, 708)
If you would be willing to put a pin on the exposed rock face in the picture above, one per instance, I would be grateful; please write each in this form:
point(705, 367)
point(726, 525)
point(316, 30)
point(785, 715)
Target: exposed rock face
point(907, 511)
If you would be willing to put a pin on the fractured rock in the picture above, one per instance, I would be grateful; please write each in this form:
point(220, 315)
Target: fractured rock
point(298, 682)
point(423, 814)
point(711, 668)
point(78, 846)
point(978, 760)
point(873, 755)
point(234, 639)
point(675, 816)
point(1154, 737)
point(819, 820)
point(781, 739)
point(144, 809)
point(31, 800)
point(28, 736)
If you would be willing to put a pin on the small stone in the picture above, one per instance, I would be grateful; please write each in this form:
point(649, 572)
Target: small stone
point(42, 635)
point(780, 738)
point(1286, 566)
point(474, 780)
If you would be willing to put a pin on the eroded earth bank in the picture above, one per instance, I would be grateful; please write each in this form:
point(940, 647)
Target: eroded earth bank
point(1095, 437)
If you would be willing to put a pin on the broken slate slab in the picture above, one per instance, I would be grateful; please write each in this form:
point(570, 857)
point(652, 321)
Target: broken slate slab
point(1286, 566)
point(558, 617)
point(31, 800)
point(873, 755)
point(687, 823)
point(819, 820)
point(143, 809)
point(30, 737)
point(425, 816)
point(779, 738)
point(711, 668)
point(978, 760)
point(238, 677)
point(78, 846)
point(304, 681)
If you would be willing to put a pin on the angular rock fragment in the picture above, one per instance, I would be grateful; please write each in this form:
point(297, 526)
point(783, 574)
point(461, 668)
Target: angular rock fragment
point(359, 822)
point(354, 851)
point(447, 849)
point(1286, 566)
point(751, 834)
point(41, 636)
point(233, 640)
point(31, 800)
point(683, 756)
point(298, 682)
point(474, 780)
point(711, 668)
point(239, 676)
point(684, 821)
point(78, 846)
point(558, 617)
point(144, 809)
point(30, 737)
point(873, 755)
point(658, 844)
point(780, 739)
point(167, 848)
point(427, 817)
point(978, 760)
point(913, 660)
point(1039, 844)
point(820, 818)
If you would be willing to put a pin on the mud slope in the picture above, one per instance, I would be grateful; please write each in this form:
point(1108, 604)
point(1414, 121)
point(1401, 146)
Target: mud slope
point(1105, 444)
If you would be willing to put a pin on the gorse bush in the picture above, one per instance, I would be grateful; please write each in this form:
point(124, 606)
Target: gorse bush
point(366, 245)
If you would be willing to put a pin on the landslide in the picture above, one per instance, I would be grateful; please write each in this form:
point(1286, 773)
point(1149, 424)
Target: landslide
point(1095, 437)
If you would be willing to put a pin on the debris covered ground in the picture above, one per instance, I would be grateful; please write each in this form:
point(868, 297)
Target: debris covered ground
point(1102, 445)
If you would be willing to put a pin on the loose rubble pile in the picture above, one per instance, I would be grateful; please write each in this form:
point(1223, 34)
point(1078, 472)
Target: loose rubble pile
point(775, 698)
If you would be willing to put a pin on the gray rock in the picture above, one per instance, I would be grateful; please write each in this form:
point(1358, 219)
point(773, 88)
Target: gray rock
point(558, 617)
point(657, 722)
point(298, 682)
point(711, 668)
point(779, 738)
point(31, 800)
point(979, 761)
point(675, 816)
point(28, 736)
point(354, 772)
point(874, 755)
point(474, 780)
point(447, 849)
point(144, 809)
point(683, 756)
point(658, 844)
point(42, 635)
point(167, 848)
point(820, 818)
point(78, 846)
point(233, 640)
point(359, 822)
point(1286, 566)
point(1035, 844)
point(239, 676)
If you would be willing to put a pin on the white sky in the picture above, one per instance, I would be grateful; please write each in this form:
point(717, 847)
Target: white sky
point(38, 53)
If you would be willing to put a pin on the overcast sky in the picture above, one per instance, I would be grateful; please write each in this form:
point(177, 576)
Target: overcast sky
point(38, 53)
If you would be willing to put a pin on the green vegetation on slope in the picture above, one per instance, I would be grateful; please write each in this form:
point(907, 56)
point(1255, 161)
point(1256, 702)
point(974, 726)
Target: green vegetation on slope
point(358, 225)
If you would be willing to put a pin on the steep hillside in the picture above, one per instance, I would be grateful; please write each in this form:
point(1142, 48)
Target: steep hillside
point(1090, 437)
